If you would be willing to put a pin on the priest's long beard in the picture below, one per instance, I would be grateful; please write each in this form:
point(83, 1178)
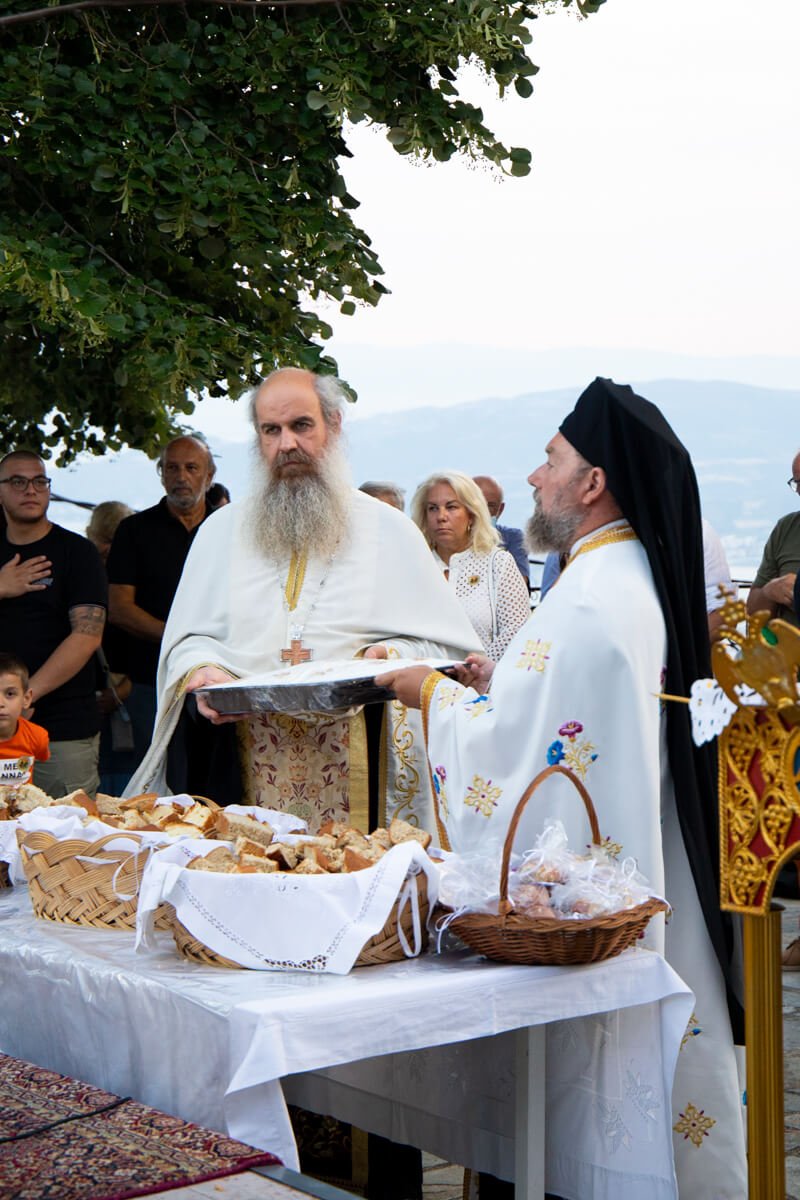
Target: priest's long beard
point(555, 530)
point(300, 513)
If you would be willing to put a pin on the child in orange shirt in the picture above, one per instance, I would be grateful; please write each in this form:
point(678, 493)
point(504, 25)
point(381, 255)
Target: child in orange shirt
point(21, 742)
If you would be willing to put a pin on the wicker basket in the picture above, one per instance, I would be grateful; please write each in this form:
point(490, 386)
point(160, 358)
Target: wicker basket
point(384, 947)
point(5, 878)
point(511, 937)
point(80, 883)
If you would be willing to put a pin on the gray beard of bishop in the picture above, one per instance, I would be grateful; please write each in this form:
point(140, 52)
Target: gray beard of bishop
point(298, 514)
point(554, 531)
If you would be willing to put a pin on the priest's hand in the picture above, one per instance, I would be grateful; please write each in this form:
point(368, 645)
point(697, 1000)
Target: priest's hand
point(476, 672)
point(201, 678)
point(406, 685)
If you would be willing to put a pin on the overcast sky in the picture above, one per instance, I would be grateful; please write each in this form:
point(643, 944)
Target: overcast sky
point(661, 213)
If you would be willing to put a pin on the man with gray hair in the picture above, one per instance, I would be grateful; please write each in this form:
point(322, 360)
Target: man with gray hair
point(144, 565)
point(305, 567)
point(389, 493)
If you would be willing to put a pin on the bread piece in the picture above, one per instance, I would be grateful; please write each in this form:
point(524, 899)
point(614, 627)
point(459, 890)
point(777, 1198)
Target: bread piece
point(382, 837)
point(130, 820)
point(257, 862)
point(82, 799)
point(285, 856)
point(108, 806)
point(220, 859)
point(308, 867)
point(161, 814)
point(231, 825)
point(27, 797)
point(179, 829)
point(402, 831)
point(354, 861)
point(141, 802)
point(337, 828)
point(243, 846)
point(201, 816)
point(331, 860)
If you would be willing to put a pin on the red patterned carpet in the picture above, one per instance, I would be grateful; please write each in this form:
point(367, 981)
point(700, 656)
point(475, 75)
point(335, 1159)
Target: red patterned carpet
point(64, 1140)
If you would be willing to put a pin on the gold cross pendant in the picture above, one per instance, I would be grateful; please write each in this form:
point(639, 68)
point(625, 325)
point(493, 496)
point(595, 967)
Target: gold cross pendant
point(296, 652)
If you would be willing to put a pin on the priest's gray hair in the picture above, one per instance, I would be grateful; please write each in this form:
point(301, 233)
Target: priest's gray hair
point(483, 537)
point(331, 394)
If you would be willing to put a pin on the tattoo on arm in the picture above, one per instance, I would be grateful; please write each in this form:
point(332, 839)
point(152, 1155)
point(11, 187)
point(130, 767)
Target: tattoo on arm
point(87, 618)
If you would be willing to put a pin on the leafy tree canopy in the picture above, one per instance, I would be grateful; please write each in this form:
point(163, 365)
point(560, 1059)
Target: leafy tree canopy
point(171, 204)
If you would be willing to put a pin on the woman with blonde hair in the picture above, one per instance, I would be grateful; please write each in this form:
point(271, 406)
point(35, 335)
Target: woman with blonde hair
point(451, 511)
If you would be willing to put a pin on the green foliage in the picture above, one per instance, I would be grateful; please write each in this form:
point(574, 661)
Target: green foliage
point(171, 205)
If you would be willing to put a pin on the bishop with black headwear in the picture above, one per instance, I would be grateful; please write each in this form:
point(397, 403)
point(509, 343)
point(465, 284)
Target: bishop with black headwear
point(579, 685)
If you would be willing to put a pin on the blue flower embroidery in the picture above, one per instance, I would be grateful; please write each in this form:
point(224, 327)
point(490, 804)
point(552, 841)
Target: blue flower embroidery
point(555, 753)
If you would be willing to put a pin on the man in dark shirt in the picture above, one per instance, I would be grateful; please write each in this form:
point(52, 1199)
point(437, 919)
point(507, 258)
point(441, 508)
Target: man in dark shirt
point(52, 612)
point(144, 568)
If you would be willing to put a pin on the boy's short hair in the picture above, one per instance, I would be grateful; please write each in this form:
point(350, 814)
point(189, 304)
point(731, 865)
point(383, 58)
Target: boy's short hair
point(11, 665)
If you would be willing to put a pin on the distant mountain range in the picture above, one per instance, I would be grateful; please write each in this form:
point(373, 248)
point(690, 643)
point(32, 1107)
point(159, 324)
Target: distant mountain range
point(742, 439)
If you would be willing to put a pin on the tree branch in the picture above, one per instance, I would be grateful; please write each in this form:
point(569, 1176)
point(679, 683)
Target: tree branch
point(46, 14)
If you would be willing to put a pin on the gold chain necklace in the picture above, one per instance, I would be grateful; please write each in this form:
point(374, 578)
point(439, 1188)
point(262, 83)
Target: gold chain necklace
point(622, 533)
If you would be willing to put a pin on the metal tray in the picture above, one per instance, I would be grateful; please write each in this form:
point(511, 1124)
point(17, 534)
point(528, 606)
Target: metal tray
point(338, 686)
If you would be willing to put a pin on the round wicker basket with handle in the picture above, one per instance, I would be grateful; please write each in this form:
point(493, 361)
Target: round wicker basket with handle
point(83, 883)
point(511, 937)
point(385, 946)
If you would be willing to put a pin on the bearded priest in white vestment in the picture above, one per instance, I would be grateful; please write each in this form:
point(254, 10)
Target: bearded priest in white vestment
point(306, 566)
point(579, 685)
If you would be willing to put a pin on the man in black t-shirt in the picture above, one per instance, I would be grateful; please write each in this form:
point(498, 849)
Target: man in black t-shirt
point(52, 612)
point(144, 568)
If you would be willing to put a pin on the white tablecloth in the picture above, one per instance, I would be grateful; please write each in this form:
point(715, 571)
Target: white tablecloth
point(212, 1046)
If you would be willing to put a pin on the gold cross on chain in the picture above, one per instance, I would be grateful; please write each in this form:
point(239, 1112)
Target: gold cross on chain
point(296, 652)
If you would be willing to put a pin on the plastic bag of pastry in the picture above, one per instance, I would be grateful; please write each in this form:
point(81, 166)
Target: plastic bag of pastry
point(470, 882)
point(597, 887)
point(550, 860)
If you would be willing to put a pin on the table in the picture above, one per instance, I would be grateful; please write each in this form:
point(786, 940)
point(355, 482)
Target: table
point(213, 1046)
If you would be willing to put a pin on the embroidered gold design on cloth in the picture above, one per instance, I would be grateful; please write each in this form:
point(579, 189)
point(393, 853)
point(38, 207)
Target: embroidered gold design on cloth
point(295, 579)
point(534, 657)
point(482, 796)
point(301, 767)
point(622, 533)
point(694, 1125)
point(406, 776)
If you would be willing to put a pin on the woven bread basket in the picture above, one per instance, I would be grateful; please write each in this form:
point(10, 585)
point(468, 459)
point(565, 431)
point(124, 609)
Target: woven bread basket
point(509, 936)
point(83, 883)
point(5, 878)
point(384, 947)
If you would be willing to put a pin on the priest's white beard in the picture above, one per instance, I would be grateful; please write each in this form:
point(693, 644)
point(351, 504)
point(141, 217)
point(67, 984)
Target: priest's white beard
point(301, 513)
point(553, 531)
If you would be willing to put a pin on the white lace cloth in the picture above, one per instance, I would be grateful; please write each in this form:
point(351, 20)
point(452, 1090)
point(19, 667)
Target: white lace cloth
point(282, 921)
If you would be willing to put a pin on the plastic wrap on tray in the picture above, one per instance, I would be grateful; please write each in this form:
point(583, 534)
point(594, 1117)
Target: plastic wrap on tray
point(324, 686)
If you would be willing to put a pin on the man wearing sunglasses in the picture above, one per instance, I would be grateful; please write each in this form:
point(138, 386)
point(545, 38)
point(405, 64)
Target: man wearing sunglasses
point(773, 586)
point(52, 612)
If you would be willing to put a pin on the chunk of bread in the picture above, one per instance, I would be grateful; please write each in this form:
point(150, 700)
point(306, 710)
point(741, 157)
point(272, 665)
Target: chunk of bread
point(309, 867)
point(402, 831)
point(232, 825)
point(245, 845)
